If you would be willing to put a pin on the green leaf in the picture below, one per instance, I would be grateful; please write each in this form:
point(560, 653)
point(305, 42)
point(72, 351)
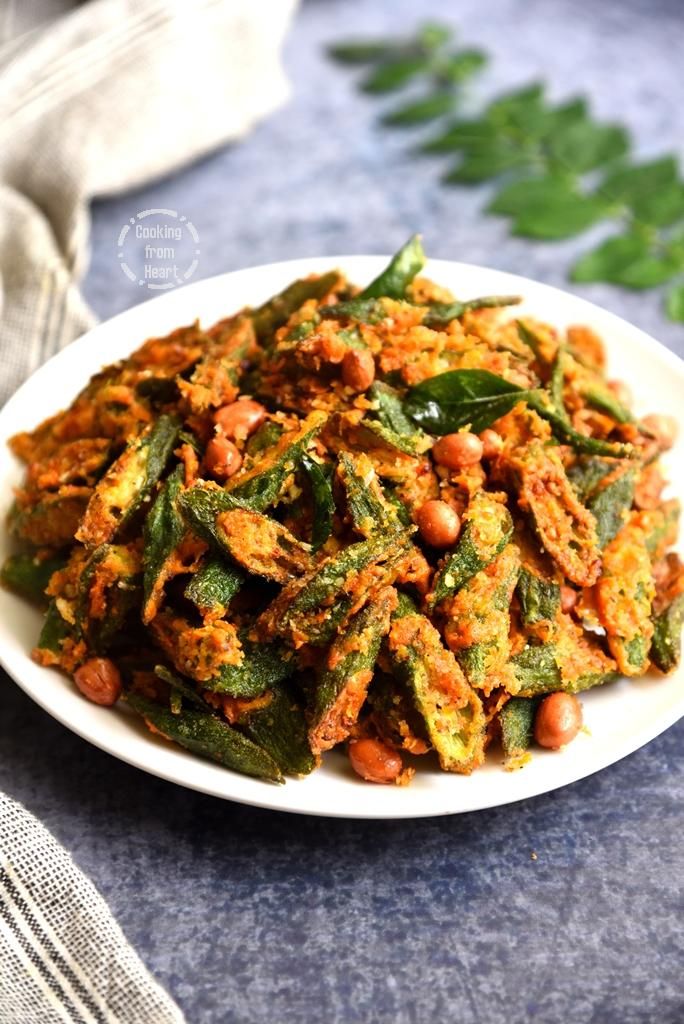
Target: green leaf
point(517, 108)
point(629, 183)
point(432, 35)
point(561, 216)
point(361, 51)
point(458, 398)
point(487, 161)
point(584, 145)
point(437, 104)
point(674, 303)
point(394, 74)
point(661, 205)
point(397, 276)
point(461, 66)
point(440, 314)
point(461, 135)
point(526, 195)
point(626, 260)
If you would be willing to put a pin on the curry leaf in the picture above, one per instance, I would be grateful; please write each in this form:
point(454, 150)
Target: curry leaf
point(428, 108)
point(323, 504)
point(585, 145)
point(626, 260)
point(561, 216)
point(458, 398)
point(395, 74)
point(674, 303)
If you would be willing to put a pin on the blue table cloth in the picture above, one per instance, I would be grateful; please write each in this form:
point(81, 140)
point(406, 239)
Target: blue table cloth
point(565, 907)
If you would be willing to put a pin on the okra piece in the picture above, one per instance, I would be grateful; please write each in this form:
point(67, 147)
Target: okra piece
point(108, 591)
point(370, 511)
point(265, 437)
point(389, 410)
point(279, 728)
point(311, 610)
point(262, 480)
point(28, 575)
point(487, 530)
point(278, 310)
point(180, 687)
point(397, 276)
point(440, 314)
point(557, 384)
point(127, 482)
point(539, 670)
point(601, 398)
point(660, 527)
point(586, 474)
point(263, 546)
point(323, 501)
point(209, 737)
point(263, 666)
point(666, 645)
point(611, 502)
point(214, 585)
point(54, 520)
point(624, 596)
point(216, 376)
point(516, 719)
point(539, 598)
point(452, 711)
point(566, 529)
point(199, 652)
point(402, 442)
point(363, 311)
point(54, 631)
point(163, 531)
point(201, 506)
point(343, 683)
point(478, 620)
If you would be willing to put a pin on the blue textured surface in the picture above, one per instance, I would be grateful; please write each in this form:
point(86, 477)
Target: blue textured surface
point(251, 916)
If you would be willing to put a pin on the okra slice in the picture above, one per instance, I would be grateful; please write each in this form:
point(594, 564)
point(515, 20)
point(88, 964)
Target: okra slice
point(440, 314)
point(54, 631)
point(263, 546)
point(214, 585)
point(660, 527)
point(28, 575)
point(343, 683)
point(279, 727)
point(393, 425)
point(163, 534)
point(127, 482)
point(323, 501)
point(611, 502)
point(262, 480)
point(539, 598)
point(478, 620)
point(666, 645)
point(201, 506)
point(53, 521)
point(566, 529)
point(278, 310)
point(263, 666)
point(209, 737)
point(370, 511)
point(199, 652)
point(487, 530)
point(452, 711)
point(216, 376)
point(266, 436)
point(180, 687)
point(108, 591)
point(541, 669)
point(516, 719)
point(624, 596)
point(311, 610)
point(587, 472)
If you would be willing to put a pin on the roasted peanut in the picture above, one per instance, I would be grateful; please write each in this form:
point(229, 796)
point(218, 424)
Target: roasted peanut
point(239, 419)
point(374, 761)
point(222, 458)
point(558, 720)
point(492, 443)
point(568, 598)
point(458, 451)
point(438, 523)
point(358, 369)
point(99, 680)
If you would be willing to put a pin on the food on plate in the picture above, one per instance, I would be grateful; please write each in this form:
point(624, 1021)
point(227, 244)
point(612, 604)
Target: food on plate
point(384, 520)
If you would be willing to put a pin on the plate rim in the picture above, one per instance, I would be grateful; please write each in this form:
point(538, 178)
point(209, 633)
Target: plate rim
point(291, 269)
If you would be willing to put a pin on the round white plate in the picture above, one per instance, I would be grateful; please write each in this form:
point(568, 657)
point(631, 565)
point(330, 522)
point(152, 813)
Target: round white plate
point(619, 718)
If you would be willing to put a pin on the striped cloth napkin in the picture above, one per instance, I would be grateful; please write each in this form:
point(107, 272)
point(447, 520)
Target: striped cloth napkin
point(100, 99)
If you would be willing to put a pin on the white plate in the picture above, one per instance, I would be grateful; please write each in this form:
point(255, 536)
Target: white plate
point(620, 717)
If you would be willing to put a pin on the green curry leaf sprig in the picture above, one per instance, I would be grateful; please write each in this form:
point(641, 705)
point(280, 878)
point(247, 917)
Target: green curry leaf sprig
point(560, 172)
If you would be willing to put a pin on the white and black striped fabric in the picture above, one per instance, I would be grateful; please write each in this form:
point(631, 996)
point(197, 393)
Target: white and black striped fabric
point(63, 958)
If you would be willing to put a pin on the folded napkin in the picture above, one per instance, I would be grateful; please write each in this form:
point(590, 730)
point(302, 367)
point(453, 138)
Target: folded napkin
point(98, 100)
point(104, 98)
